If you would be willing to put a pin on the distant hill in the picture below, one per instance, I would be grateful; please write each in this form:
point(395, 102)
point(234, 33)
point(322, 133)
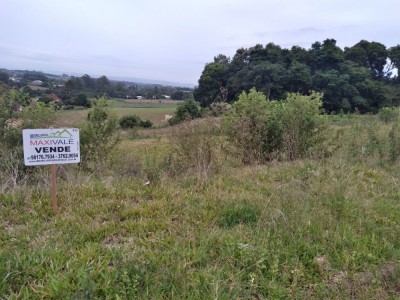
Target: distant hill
point(151, 81)
point(72, 88)
point(134, 80)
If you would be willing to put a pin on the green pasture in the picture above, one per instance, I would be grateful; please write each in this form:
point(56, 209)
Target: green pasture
point(154, 112)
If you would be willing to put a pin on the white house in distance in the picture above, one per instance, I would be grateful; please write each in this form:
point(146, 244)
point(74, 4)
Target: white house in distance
point(37, 83)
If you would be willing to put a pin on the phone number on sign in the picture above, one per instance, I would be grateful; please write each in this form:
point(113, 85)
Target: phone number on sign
point(53, 156)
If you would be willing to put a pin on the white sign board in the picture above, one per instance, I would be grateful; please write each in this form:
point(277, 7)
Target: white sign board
point(51, 146)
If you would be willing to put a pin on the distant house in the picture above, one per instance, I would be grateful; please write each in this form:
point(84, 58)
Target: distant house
point(166, 96)
point(37, 83)
point(52, 98)
point(139, 97)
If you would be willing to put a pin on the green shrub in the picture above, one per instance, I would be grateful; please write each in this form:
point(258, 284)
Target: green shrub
point(132, 121)
point(99, 135)
point(388, 114)
point(301, 123)
point(146, 124)
point(12, 121)
point(246, 126)
point(262, 130)
point(187, 111)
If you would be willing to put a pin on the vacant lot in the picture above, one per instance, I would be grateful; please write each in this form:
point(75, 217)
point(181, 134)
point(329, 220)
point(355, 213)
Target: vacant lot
point(180, 218)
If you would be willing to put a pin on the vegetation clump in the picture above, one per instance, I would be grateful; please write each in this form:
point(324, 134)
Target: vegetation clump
point(388, 114)
point(99, 135)
point(132, 121)
point(262, 130)
point(359, 77)
point(238, 214)
point(189, 110)
point(17, 112)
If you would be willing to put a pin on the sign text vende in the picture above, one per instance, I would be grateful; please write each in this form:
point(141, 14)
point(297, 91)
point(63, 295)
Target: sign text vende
point(51, 146)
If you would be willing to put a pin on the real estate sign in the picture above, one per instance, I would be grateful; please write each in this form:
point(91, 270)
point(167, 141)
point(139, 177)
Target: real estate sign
point(51, 146)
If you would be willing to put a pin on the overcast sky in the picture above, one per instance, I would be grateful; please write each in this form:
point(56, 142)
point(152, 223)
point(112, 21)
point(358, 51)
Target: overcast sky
point(172, 40)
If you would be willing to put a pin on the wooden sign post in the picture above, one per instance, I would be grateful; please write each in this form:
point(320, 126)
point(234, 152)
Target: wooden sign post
point(51, 147)
point(54, 188)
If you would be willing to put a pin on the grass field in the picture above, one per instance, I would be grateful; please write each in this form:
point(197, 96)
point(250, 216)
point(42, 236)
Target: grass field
point(153, 110)
point(322, 227)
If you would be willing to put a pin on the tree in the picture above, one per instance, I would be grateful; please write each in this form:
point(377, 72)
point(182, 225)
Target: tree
point(371, 55)
point(327, 55)
point(211, 80)
point(297, 54)
point(375, 93)
point(119, 90)
point(356, 54)
point(98, 135)
point(69, 86)
point(87, 82)
point(345, 77)
point(298, 78)
point(4, 77)
point(82, 100)
point(103, 85)
point(394, 55)
point(273, 53)
point(178, 95)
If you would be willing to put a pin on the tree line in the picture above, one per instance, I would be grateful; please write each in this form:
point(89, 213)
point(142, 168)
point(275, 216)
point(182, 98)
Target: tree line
point(360, 78)
point(75, 90)
point(122, 89)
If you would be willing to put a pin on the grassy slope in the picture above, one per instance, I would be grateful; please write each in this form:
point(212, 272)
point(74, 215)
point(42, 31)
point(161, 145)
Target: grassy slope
point(309, 228)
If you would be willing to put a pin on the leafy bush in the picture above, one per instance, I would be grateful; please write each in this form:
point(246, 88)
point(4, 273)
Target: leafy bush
point(187, 111)
point(388, 114)
point(132, 121)
point(262, 130)
point(146, 124)
point(81, 100)
point(301, 123)
point(99, 135)
point(12, 121)
point(129, 121)
point(246, 126)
